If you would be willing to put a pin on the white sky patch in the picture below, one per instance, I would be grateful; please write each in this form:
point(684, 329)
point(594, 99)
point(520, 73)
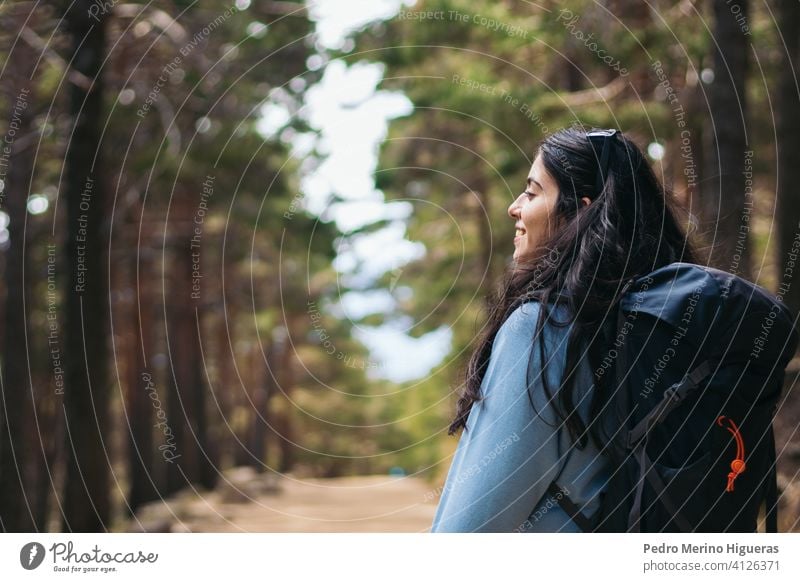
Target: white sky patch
point(302, 143)
point(273, 117)
point(37, 204)
point(655, 150)
point(353, 215)
point(404, 358)
point(356, 305)
point(372, 256)
point(337, 18)
point(343, 86)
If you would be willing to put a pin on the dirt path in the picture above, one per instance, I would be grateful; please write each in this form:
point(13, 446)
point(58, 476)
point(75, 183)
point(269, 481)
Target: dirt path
point(263, 503)
point(249, 502)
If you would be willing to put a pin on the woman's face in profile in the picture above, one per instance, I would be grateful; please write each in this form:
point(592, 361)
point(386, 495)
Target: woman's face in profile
point(532, 211)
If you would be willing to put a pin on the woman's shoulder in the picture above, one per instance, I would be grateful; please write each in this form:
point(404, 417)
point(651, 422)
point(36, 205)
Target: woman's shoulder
point(523, 319)
point(523, 315)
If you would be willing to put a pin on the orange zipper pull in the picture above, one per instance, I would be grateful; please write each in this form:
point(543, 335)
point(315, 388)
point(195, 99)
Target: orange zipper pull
point(737, 465)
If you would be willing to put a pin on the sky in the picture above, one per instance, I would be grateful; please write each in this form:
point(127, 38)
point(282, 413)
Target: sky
point(352, 114)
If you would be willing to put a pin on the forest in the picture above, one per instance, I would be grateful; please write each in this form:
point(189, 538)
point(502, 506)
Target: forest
point(243, 254)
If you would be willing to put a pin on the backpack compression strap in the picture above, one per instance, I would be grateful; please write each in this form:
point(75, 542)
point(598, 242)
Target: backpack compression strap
point(637, 440)
point(672, 397)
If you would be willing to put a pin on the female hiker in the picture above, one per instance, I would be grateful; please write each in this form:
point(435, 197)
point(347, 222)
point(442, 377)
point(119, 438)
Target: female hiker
point(592, 216)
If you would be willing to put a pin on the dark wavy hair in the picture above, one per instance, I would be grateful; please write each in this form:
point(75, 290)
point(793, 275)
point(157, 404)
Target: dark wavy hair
point(629, 229)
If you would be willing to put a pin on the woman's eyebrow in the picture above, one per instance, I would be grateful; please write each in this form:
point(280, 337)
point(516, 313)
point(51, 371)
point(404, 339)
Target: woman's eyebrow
point(530, 179)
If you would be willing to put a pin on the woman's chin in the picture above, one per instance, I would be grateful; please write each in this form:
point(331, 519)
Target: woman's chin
point(519, 258)
point(522, 258)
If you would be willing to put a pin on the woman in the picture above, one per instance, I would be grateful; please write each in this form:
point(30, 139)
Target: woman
point(593, 215)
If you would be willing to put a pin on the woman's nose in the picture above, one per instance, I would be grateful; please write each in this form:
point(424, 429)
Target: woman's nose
point(513, 209)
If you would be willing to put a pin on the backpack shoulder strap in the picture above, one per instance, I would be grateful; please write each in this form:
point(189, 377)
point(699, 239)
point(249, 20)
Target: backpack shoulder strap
point(569, 507)
point(558, 494)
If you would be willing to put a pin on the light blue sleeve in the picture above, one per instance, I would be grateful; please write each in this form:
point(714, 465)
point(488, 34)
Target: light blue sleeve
point(509, 454)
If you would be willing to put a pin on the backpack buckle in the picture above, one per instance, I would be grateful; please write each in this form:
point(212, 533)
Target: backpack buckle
point(670, 398)
point(673, 393)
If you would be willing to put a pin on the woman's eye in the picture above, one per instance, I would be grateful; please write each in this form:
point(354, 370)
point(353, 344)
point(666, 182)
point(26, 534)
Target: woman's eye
point(529, 193)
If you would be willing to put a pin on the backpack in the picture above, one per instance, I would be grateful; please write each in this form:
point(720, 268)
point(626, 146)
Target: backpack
point(699, 358)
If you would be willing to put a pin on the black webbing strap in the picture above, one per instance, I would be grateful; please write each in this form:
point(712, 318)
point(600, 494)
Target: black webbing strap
point(672, 397)
point(635, 515)
point(649, 474)
point(621, 365)
point(560, 496)
point(661, 494)
point(771, 493)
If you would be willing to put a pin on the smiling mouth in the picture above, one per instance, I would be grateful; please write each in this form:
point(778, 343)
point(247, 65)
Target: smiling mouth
point(519, 232)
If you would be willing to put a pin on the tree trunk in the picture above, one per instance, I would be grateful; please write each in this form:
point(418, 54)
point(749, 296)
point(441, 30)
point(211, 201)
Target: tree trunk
point(726, 207)
point(17, 508)
point(261, 401)
point(286, 385)
point(225, 323)
point(86, 504)
point(788, 106)
point(144, 397)
point(190, 462)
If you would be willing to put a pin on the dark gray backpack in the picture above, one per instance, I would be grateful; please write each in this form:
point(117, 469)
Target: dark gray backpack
point(699, 368)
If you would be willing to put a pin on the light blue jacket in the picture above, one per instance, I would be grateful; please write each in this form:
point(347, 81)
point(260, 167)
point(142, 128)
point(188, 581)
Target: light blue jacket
point(509, 454)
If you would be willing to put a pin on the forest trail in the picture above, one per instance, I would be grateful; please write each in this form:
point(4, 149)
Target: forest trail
point(247, 502)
